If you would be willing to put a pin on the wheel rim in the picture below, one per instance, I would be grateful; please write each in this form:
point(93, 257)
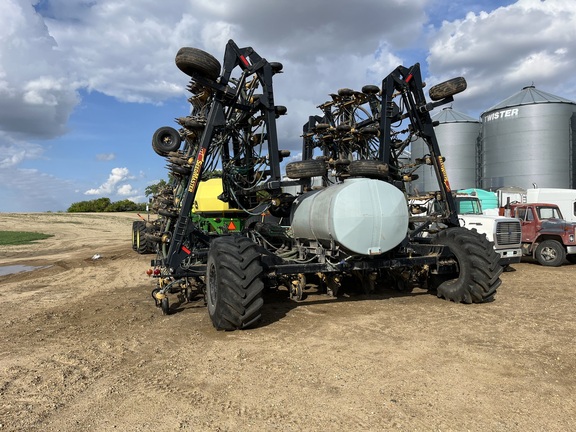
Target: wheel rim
point(211, 285)
point(549, 254)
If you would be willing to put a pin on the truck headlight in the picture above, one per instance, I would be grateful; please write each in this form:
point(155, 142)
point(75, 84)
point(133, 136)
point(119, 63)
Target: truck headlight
point(571, 237)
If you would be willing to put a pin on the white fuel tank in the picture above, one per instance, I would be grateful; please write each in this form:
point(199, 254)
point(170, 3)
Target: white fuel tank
point(363, 216)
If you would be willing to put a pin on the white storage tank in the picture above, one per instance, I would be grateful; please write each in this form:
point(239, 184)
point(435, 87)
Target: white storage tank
point(363, 216)
point(457, 136)
point(528, 139)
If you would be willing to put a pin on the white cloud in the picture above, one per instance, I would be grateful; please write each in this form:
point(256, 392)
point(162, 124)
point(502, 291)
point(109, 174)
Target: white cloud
point(110, 186)
point(530, 41)
point(13, 151)
point(126, 190)
point(37, 91)
point(125, 49)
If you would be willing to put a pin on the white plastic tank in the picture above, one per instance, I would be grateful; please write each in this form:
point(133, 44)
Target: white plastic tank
point(363, 216)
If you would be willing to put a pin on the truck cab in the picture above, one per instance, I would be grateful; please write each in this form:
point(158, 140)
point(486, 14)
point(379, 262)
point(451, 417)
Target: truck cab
point(504, 232)
point(545, 234)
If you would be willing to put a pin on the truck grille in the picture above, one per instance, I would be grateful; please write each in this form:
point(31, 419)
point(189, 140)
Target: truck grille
point(508, 233)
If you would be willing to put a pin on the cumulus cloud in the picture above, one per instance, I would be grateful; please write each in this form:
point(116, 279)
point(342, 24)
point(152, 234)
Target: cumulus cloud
point(112, 185)
point(499, 52)
point(126, 190)
point(35, 101)
point(54, 51)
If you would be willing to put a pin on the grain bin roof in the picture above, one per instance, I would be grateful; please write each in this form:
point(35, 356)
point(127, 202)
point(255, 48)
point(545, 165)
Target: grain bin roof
point(527, 96)
point(448, 115)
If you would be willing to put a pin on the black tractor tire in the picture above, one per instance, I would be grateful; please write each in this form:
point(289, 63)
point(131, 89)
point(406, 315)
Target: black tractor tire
point(165, 140)
point(369, 168)
point(139, 241)
point(193, 61)
point(234, 283)
point(448, 88)
point(550, 253)
point(346, 92)
point(135, 230)
point(478, 275)
point(306, 169)
point(370, 89)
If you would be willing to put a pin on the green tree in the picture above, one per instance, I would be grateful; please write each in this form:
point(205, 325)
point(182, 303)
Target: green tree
point(155, 188)
point(97, 205)
point(104, 205)
point(125, 205)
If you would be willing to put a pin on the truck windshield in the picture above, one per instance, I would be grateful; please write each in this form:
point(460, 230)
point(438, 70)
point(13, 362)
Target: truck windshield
point(549, 213)
point(468, 205)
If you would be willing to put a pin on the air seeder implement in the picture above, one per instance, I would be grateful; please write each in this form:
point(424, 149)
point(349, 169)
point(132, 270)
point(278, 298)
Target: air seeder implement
point(341, 213)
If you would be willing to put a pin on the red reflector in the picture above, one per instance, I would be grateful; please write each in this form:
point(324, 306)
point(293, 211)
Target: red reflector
point(231, 226)
point(409, 78)
point(244, 61)
point(185, 249)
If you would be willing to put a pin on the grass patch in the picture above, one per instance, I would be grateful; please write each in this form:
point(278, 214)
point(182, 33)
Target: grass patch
point(21, 237)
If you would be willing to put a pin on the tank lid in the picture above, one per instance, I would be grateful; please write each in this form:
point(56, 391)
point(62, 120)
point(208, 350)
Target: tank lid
point(448, 115)
point(527, 96)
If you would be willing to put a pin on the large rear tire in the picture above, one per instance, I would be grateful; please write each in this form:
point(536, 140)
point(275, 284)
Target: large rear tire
point(234, 283)
point(478, 275)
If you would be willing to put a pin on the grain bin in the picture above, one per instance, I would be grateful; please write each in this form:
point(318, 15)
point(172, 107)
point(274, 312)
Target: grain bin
point(528, 139)
point(457, 135)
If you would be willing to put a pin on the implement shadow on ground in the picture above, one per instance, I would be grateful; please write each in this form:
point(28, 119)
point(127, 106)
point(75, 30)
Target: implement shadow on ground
point(277, 304)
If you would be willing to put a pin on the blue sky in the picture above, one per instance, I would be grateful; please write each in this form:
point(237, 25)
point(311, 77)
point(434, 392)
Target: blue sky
point(85, 83)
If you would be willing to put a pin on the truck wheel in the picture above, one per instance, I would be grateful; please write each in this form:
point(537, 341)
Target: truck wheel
point(478, 275)
point(193, 61)
point(165, 140)
point(234, 283)
point(550, 253)
point(306, 169)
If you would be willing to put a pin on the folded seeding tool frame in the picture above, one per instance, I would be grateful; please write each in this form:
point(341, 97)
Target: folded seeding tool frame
point(342, 213)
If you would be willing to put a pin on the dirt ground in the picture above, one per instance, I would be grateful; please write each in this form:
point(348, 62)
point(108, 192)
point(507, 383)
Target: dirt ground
point(84, 348)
